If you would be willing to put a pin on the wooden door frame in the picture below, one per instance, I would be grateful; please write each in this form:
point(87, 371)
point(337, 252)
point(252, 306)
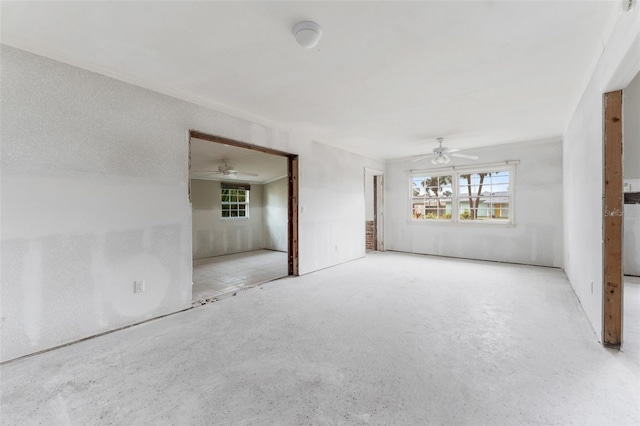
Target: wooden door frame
point(378, 211)
point(612, 218)
point(292, 205)
point(375, 212)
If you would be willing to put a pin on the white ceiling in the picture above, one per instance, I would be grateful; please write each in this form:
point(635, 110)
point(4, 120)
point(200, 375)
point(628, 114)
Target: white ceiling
point(207, 156)
point(385, 80)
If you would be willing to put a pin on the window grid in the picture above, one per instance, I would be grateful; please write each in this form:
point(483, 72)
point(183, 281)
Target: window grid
point(432, 197)
point(478, 196)
point(235, 203)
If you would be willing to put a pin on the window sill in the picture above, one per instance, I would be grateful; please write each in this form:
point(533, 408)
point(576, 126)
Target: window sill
point(475, 224)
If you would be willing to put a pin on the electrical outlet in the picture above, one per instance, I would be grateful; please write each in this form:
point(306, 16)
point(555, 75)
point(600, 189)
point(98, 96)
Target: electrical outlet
point(138, 286)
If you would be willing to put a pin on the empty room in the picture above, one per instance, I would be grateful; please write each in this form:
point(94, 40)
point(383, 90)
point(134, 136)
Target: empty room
point(318, 212)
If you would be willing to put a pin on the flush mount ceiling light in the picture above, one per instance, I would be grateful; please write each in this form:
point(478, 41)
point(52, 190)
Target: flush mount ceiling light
point(307, 33)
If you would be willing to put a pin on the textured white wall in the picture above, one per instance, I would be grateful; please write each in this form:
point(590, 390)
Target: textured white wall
point(332, 206)
point(536, 237)
point(94, 196)
point(368, 195)
point(583, 162)
point(276, 215)
point(631, 252)
point(214, 236)
point(631, 122)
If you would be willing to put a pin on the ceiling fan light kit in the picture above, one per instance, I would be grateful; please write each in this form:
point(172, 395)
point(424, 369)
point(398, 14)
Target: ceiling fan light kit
point(442, 155)
point(441, 160)
point(307, 34)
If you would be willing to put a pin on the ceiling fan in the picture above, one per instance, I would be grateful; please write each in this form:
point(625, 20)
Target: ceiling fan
point(227, 170)
point(442, 155)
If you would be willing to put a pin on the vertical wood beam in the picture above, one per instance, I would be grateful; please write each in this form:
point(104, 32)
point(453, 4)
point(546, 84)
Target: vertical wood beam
point(293, 215)
point(612, 220)
point(379, 191)
point(375, 212)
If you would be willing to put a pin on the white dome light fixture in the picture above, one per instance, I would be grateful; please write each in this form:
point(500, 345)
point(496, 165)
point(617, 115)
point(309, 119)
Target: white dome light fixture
point(307, 33)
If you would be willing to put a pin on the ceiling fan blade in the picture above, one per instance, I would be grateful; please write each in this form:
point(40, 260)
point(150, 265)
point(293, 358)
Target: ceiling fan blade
point(247, 174)
point(205, 172)
point(422, 157)
point(469, 157)
point(449, 151)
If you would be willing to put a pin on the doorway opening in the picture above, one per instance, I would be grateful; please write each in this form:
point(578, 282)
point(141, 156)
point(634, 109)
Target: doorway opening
point(621, 224)
point(374, 210)
point(631, 215)
point(244, 201)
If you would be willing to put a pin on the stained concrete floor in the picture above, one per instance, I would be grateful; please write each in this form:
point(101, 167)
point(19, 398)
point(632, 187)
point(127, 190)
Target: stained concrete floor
point(388, 339)
point(220, 275)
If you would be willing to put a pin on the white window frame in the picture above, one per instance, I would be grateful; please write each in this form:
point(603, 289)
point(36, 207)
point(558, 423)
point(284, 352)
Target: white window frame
point(438, 174)
point(456, 173)
point(235, 203)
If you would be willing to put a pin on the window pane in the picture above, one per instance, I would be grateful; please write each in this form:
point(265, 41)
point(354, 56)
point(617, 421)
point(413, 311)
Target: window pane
point(431, 197)
point(483, 194)
point(234, 203)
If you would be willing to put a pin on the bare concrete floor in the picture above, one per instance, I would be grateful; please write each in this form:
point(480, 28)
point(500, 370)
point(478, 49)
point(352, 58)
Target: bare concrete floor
point(388, 339)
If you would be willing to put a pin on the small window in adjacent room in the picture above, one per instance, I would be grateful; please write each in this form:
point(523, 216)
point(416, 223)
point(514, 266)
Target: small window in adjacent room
point(235, 201)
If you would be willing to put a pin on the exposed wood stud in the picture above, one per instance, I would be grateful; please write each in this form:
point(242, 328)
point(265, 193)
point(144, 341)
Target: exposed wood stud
point(379, 202)
point(375, 213)
point(612, 220)
point(226, 141)
point(293, 216)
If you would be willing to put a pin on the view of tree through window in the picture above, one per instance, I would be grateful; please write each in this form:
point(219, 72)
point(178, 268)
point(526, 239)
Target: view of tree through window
point(432, 197)
point(235, 203)
point(462, 197)
point(484, 196)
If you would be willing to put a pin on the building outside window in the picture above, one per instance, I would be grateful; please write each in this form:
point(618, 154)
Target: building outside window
point(432, 197)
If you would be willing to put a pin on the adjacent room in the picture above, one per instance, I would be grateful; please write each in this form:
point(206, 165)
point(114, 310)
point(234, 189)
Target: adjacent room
point(240, 218)
point(284, 212)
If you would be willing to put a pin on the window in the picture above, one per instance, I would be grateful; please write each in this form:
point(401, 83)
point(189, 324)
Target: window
point(484, 196)
point(463, 196)
point(432, 197)
point(235, 201)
